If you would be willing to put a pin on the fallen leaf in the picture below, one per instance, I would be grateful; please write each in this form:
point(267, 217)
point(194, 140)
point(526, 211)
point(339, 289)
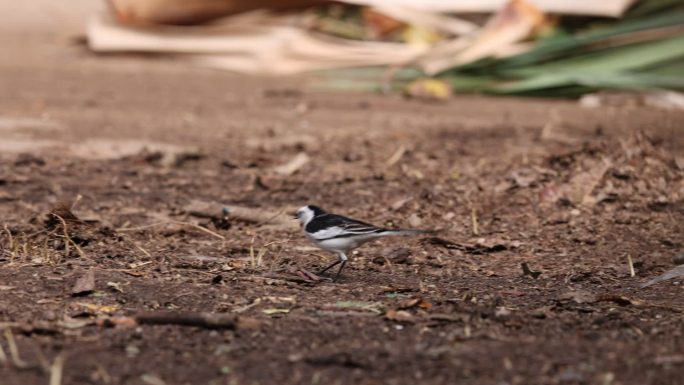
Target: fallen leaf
point(400, 203)
point(399, 316)
point(428, 89)
point(420, 36)
point(579, 188)
point(502, 311)
point(415, 302)
point(293, 165)
point(679, 162)
point(397, 255)
point(513, 23)
point(524, 178)
point(152, 379)
point(414, 220)
point(371, 306)
point(115, 286)
point(381, 24)
point(493, 244)
point(4, 287)
point(85, 284)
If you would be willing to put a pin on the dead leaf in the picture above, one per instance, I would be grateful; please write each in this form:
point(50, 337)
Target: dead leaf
point(4, 287)
point(414, 220)
point(374, 307)
point(490, 245)
point(85, 284)
point(524, 178)
point(580, 187)
point(397, 255)
point(514, 22)
point(421, 36)
point(115, 286)
point(433, 89)
point(414, 302)
point(293, 165)
point(502, 311)
point(679, 162)
point(399, 316)
point(400, 203)
point(381, 24)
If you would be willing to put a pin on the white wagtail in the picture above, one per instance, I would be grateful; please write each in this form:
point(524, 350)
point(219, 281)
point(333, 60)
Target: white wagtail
point(341, 234)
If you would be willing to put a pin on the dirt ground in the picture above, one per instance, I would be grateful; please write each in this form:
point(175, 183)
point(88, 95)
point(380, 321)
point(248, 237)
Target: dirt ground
point(132, 144)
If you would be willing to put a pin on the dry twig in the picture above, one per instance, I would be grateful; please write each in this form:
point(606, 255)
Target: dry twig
point(68, 238)
point(56, 370)
point(14, 350)
point(204, 320)
point(143, 227)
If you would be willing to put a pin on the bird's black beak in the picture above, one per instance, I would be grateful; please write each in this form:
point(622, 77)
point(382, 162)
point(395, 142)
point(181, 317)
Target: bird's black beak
point(295, 216)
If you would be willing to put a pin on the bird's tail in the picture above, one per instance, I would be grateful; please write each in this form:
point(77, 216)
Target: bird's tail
point(405, 232)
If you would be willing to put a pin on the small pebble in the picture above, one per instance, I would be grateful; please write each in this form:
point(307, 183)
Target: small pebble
point(678, 259)
point(414, 220)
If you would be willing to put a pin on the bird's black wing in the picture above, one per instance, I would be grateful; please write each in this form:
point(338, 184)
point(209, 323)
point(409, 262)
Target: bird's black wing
point(334, 226)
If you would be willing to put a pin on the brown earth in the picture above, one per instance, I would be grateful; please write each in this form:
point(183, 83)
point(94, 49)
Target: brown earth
point(129, 141)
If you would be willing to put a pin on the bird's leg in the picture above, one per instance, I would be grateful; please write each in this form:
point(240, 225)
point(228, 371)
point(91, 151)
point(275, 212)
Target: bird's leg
point(328, 268)
point(343, 259)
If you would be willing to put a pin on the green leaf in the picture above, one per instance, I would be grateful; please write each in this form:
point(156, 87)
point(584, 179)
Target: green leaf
point(617, 59)
point(559, 46)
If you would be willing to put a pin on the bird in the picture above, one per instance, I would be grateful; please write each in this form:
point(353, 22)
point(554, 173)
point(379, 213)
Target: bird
point(340, 234)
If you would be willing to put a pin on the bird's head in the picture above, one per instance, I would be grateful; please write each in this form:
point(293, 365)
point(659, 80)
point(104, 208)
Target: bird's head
point(307, 213)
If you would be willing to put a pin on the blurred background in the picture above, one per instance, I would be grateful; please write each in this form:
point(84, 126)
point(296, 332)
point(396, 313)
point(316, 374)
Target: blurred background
point(420, 48)
point(549, 48)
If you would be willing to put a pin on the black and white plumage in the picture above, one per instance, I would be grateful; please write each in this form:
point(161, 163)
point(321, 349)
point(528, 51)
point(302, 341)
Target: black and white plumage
point(340, 234)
